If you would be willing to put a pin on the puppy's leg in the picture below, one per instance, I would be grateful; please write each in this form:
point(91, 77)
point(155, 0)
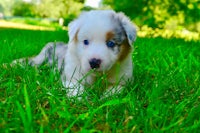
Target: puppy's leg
point(50, 53)
point(37, 60)
point(76, 86)
point(46, 54)
point(74, 89)
point(72, 78)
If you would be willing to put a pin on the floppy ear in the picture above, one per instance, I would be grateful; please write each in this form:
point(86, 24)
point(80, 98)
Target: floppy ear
point(129, 28)
point(73, 28)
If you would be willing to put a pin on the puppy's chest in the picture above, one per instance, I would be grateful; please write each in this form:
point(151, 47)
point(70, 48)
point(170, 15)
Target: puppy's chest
point(102, 80)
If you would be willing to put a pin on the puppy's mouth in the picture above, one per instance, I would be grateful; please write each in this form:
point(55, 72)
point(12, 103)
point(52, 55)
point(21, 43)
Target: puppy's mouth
point(96, 72)
point(100, 69)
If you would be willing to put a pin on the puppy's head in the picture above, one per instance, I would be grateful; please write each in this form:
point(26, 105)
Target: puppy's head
point(101, 38)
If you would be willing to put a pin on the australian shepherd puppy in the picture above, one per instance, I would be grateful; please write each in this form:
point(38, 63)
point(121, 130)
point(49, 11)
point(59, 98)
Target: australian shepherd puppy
point(100, 43)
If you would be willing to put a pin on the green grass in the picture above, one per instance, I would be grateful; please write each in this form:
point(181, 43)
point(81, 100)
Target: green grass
point(164, 97)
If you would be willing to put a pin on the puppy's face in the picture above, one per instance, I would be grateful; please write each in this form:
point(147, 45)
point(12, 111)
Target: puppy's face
point(101, 38)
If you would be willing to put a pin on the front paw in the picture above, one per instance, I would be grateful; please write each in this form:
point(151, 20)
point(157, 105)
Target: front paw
point(112, 91)
point(74, 90)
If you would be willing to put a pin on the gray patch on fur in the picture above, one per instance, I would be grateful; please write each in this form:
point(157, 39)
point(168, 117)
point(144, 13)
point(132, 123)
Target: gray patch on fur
point(53, 54)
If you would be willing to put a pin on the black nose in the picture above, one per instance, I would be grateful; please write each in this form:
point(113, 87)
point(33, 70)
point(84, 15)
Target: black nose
point(95, 63)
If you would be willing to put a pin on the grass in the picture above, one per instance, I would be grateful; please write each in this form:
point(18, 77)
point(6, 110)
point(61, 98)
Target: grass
point(164, 97)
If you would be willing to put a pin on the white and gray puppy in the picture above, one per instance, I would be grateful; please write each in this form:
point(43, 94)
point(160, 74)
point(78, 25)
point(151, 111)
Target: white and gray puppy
point(100, 43)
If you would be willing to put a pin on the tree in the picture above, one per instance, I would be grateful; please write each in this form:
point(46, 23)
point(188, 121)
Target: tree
point(1, 9)
point(58, 8)
point(7, 6)
point(22, 8)
point(137, 10)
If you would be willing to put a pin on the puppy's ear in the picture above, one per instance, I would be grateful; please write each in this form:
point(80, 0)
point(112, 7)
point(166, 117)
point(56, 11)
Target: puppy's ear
point(73, 28)
point(129, 28)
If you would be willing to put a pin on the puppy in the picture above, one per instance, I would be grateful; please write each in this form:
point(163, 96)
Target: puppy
point(100, 43)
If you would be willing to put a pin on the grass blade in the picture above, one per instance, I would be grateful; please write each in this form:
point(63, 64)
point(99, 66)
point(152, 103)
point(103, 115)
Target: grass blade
point(27, 104)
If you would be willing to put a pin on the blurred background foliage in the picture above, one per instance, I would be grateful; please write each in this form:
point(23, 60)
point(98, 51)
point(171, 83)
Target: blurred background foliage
point(166, 18)
point(160, 13)
point(155, 17)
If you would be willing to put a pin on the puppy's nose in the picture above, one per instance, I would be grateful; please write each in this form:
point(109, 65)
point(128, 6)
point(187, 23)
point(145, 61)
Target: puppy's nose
point(95, 63)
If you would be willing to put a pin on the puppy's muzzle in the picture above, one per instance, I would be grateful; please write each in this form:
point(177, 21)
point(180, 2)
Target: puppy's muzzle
point(95, 63)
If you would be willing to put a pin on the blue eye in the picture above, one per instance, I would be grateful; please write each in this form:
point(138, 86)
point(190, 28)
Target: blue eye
point(110, 44)
point(86, 42)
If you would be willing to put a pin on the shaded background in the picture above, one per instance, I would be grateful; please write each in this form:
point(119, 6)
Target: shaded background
point(176, 17)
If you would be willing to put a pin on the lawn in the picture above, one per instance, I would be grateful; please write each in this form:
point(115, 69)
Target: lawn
point(164, 97)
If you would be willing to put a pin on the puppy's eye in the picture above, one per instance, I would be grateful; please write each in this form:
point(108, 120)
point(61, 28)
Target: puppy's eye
point(110, 44)
point(86, 42)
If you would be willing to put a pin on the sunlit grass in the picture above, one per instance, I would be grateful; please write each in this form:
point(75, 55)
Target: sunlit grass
point(7, 24)
point(185, 34)
point(22, 25)
point(164, 97)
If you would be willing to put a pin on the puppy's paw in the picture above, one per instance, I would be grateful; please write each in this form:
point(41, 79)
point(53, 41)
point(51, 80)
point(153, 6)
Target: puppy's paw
point(112, 91)
point(21, 61)
point(74, 90)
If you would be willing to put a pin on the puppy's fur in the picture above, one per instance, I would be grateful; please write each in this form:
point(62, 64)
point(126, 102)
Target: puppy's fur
point(100, 43)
